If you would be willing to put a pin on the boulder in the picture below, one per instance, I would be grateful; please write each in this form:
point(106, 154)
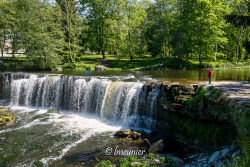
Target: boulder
point(128, 133)
point(53, 111)
point(215, 157)
point(100, 68)
point(156, 147)
point(57, 69)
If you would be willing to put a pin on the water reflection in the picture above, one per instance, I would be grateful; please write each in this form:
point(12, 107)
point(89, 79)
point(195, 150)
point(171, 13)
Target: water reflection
point(201, 75)
point(168, 75)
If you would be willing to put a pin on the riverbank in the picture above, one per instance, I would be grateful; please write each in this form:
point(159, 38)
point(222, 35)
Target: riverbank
point(146, 62)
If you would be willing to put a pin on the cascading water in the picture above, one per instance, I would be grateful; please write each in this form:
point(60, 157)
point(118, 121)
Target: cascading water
point(90, 107)
point(129, 103)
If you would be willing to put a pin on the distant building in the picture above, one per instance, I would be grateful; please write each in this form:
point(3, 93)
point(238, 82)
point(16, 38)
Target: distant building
point(8, 51)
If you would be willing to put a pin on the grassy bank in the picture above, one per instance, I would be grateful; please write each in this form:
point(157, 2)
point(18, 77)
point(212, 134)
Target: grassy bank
point(146, 62)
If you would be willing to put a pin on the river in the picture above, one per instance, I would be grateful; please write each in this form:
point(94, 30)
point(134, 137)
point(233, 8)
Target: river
point(93, 105)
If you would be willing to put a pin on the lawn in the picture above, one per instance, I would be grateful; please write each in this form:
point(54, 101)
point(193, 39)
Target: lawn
point(89, 62)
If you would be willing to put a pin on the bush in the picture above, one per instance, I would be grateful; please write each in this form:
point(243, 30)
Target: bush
point(105, 163)
point(151, 156)
point(199, 101)
point(38, 164)
point(132, 158)
point(70, 65)
point(124, 162)
point(244, 137)
point(166, 160)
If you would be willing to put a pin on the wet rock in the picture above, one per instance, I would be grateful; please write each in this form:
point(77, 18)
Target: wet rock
point(53, 111)
point(176, 106)
point(182, 90)
point(100, 68)
point(190, 165)
point(128, 133)
point(2, 138)
point(156, 147)
point(176, 159)
point(193, 156)
point(202, 160)
point(142, 142)
point(181, 99)
point(225, 152)
point(97, 159)
point(57, 69)
point(215, 157)
point(235, 154)
point(157, 161)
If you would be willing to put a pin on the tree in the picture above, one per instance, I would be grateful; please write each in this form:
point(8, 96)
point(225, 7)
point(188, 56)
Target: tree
point(5, 22)
point(33, 26)
point(160, 25)
point(98, 14)
point(241, 20)
point(202, 24)
point(43, 37)
point(71, 23)
point(135, 15)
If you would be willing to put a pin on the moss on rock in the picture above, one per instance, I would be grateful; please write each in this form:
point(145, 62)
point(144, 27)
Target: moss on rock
point(6, 117)
point(53, 111)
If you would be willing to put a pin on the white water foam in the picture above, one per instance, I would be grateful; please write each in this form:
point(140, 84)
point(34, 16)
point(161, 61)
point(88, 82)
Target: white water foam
point(69, 123)
point(83, 124)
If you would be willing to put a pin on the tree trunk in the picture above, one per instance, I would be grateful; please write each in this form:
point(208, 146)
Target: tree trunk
point(103, 55)
point(69, 29)
point(238, 49)
point(131, 58)
point(200, 59)
point(2, 48)
point(3, 45)
point(12, 49)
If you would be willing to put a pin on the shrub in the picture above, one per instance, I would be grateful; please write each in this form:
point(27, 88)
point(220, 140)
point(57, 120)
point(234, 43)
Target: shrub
point(105, 163)
point(151, 156)
point(124, 162)
point(132, 158)
point(198, 102)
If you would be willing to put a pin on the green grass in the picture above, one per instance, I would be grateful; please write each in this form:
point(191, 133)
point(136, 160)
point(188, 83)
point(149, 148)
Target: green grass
point(88, 62)
point(149, 62)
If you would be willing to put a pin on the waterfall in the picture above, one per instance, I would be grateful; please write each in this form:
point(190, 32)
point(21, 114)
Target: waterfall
point(129, 103)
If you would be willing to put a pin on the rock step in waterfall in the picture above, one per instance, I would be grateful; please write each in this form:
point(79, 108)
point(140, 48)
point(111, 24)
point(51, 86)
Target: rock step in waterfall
point(129, 103)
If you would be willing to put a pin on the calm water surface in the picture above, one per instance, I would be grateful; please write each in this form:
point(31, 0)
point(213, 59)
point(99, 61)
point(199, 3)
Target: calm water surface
point(170, 75)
